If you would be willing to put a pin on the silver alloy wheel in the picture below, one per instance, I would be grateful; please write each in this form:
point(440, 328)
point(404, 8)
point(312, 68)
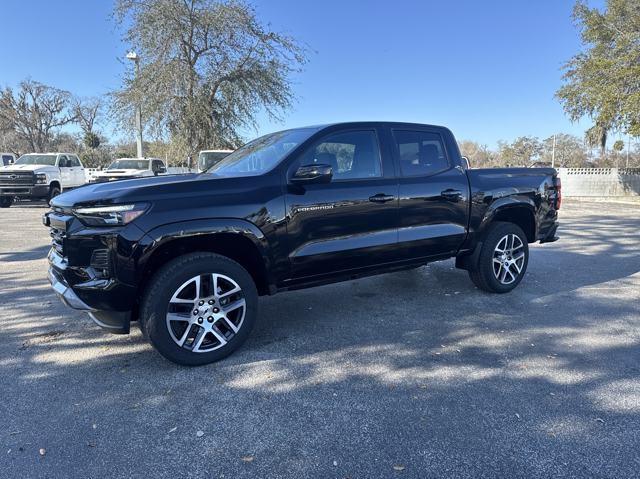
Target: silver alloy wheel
point(206, 312)
point(508, 258)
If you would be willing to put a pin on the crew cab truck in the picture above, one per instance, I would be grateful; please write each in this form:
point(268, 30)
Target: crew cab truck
point(188, 256)
point(127, 168)
point(37, 176)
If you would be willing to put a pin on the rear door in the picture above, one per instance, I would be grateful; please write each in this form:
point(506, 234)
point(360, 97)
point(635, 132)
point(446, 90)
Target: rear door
point(351, 222)
point(66, 175)
point(434, 194)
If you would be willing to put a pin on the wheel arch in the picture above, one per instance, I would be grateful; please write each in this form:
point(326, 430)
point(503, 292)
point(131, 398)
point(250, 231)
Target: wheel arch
point(238, 240)
point(520, 211)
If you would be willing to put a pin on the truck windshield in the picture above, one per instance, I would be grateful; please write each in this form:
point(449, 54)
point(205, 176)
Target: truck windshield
point(36, 160)
point(129, 165)
point(262, 154)
point(206, 159)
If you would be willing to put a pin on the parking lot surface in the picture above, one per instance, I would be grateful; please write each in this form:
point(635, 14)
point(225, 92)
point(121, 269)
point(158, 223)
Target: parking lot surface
point(411, 374)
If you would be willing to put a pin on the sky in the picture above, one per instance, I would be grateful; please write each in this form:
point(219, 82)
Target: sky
point(486, 69)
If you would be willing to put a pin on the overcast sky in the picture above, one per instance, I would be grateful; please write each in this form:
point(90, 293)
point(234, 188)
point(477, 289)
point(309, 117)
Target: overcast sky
point(486, 69)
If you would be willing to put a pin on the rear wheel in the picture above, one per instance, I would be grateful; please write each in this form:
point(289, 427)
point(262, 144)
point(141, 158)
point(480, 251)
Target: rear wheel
point(503, 259)
point(53, 192)
point(6, 201)
point(199, 308)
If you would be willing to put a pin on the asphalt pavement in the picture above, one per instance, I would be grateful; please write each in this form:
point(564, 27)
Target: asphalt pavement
point(408, 375)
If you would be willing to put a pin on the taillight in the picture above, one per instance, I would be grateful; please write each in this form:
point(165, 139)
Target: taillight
point(558, 192)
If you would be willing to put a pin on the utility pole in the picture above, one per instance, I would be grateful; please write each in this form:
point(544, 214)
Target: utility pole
point(628, 148)
point(133, 56)
point(553, 152)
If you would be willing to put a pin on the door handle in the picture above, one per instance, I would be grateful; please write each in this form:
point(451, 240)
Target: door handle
point(381, 198)
point(452, 195)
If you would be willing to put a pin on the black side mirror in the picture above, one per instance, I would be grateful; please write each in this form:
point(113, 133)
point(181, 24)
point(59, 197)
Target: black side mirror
point(161, 169)
point(310, 174)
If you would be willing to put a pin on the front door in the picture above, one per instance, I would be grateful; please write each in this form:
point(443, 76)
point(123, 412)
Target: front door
point(351, 222)
point(77, 171)
point(434, 196)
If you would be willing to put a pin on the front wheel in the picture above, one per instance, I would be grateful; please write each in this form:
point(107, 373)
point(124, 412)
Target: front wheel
point(53, 192)
point(6, 201)
point(503, 259)
point(199, 308)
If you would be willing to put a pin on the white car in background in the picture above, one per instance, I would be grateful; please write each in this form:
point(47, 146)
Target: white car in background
point(37, 176)
point(128, 168)
point(208, 158)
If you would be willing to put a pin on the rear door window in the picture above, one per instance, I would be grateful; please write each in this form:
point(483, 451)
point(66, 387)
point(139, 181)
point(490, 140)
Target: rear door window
point(421, 153)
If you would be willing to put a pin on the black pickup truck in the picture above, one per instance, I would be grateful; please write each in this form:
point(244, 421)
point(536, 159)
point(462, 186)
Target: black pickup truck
point(187, 256)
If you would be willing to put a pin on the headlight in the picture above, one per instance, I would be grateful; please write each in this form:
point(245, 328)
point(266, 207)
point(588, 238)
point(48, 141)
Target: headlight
point(116, 215)
point(41, 178)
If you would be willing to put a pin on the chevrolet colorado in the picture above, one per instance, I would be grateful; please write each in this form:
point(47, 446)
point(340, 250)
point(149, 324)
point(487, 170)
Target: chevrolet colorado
point(187, 256)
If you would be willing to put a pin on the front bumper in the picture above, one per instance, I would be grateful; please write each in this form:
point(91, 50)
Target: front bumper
point(114, 321)
point(25, 191)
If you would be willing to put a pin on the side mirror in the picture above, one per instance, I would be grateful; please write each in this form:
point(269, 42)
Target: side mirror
point(465, 163)
point(310, 174)
point(161, 169)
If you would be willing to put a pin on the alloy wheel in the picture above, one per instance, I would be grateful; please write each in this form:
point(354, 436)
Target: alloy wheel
point(206, 312)
point(508, 258)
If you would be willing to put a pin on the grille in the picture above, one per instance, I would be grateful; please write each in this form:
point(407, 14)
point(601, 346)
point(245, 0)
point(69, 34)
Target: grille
point(100, 259)
point(57, 239)
point(17, 178)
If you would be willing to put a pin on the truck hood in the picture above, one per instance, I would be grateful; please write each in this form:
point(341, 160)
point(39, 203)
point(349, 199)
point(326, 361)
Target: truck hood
point(34, 168)
point(129, 172)
point(151, 189)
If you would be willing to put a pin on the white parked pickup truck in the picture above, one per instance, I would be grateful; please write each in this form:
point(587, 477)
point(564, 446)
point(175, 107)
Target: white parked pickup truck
point(38, 176)
point(128, 168)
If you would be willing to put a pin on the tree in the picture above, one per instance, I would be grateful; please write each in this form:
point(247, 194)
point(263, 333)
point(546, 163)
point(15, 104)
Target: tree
point(603, 81)
point(569, 151)
point(480, 156)
point(34, 113)
point(88, 112)
point(206, 68)
point(522, 151)
point(596, 137)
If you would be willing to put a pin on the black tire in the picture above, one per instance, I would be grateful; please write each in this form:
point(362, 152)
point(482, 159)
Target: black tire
point(53, 192)
point(168, 280)
point(6, 201)
point(483, 273)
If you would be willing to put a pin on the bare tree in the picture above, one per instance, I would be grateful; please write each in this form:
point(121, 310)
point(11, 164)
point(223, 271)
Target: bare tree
point(88, 112)
point(34, 113)
point(206, 68)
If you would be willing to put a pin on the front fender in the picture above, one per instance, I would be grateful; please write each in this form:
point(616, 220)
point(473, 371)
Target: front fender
point(161, 235)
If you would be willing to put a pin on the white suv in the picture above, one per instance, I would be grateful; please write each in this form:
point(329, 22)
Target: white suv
point(40, 176)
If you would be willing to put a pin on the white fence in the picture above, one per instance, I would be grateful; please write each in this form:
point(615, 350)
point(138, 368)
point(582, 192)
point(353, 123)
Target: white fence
point(600, 182)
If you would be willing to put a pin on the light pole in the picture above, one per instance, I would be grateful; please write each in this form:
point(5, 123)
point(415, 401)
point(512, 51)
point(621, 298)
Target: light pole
point(133, 56)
